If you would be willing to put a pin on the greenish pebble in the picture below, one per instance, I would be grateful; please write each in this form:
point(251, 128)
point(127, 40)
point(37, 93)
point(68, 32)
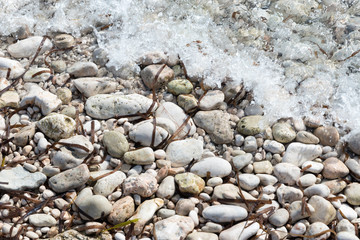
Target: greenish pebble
point(180, 86)
point(252, 125)
point(58, 66)
point(190, 183)
point(283, 132)
point(57, 126)
point(64, 94)
point(69, 111)
point(115, 143)
point(187, 101)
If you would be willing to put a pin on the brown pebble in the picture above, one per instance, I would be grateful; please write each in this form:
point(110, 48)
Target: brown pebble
point(329, 136)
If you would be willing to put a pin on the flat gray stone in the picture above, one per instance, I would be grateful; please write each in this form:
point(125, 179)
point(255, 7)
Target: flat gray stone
point(92, 86)
point(224, 213)
point(70, 179)
point(20, 179)
point(42, 220)
point(106, 185)
point(83, 69)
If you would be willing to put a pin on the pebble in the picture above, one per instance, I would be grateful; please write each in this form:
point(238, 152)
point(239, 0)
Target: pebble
point(105, 106)
point(165, 213)
point(217, 124)
point(345, 225)
point(335, 186)
point(174, 228)
point(180, 86)
point(121, 210)
point(315, 228)
point(58, 66)
point(145, 212)
point(116, 143)
point(64, 94)
point(354, 167)
point(248, 181)
point(182, 152)
point(334, 168)
point(69, 111)
point(142, 156)
point(241, 161)
point(22, 137)
point(252, 125)
point(253, 109)
point(217, 167)
point(70, 179)
point(106, 185)
point(353, 141)
point(287, 173)
point(299, 228)
point(296, 212)
point(324, 210)
point(288, 194)
point(211, 100)
point(346, 236)
point(57, 126)
point(91, 86)
point(298, 153)
point(266, 179)
point(273, 146)
point(264, 167)
point(31, 168)
point(328, 136)
point(142, 133)
point(189, 183)
point(283, 132)
point(83, 69)
point(18, 179)
point(250, 144)
point(32, 235)
point(42, 220)
point(119, 236)
point(202, 236)
point(144, 184)
point(10, 99)
point(28, 47)
point(148, 75)
point(50, 171)
point(312, 166)
point(212, 227)
point(95, 206)
point(166, 188)
point(279, 218)
point(16, 68)
point(224, 213)
point(35, 74)
point(184, 206)
point(317, 189)
point(307, 137)
point(349, 213)
point(153, 58)
point(187, 101)
point(306, 180)
point(87, 126)
point(244, 230)
point(64, 41)
point(352, 193)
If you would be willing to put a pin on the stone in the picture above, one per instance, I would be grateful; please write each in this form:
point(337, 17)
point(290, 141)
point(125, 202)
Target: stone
point(95, 206)
point(174, 113)
point(58, 66)
point(165, 213)
point(69, 111)
point(166, 188)
point(121, 210)
point(180, 86)
point(217, 167)
point(252, 125)
point(187, 101)
point(216, 123)
point(280, 217)
point(345, 225)
point(184, 206)
point(354, 167)
point(250, 144)
point(45, 100)
point(105, 106)
point(22, 137)
point(306, 180)
point(288, 194)
point(307, 137)
point(142, 132)
point(148, 75)
point(244, 230)
point(211, 100)
point(202, 236)
point(315, 228)
point(152, 58)
point(334, 168)
point(283, 132)
point(64, 94)
point(19, 179)
point(189, 183)
point(298, 153)
point(264, 167)
point(64, 41)
point(296, 212)
point(266, 179)
point(145, 212)
point(35, 74)
point(57, 126)
point(353, 140)
point(115, 143)
point(70, 179)
point(174, 228)
point(224, 213)
point(317, 189)
point(287, 173)
point(10, 99)
point(3, 81)
point(83, 69)
point(42, 220)
point(241, 161)
point(91, 86)
point(100, 57)
point(106, 185)
point(328, 136)
point(87, 126)
point(348, 212)
point(253, 109)
point(298, 228)
point(182, 152)
point(324, 210)
point(312, 166)
point(346, 236)
point(142, 156)
point(144, 184)
point(28, 47)
point(352, 193)
point(335, 186)
point(248, 181)
point(16, 69)
point(273, 146)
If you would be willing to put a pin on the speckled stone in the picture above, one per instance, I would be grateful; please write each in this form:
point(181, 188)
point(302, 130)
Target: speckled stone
point(57, 126)
point(144, 184)
point(283, 132)
point(122, 209)
point(252, 125)
point(180, 86)
point(174, 228)
point(190, 183)
point(329, 136)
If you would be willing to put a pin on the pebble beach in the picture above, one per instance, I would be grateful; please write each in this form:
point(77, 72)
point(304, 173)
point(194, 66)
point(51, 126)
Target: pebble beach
point(153, 152)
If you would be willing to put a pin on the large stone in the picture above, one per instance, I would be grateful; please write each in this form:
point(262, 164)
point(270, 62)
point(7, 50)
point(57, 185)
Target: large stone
point(287, 173)
point(37, 74)
point(148, 75)
point(57, 126)
point(316, 228)
point(28, 47)
point(329, 136)
point(16, 69)
point(115, 143)
point(174, 228)
point(20, 179)
point(352, 193)
point(105, 106)
point(70, 179)
point(298, 153)
point(215, 166)
point(252, 125)
point(92, 86)
point(354, 143)
point(182, 152)
point(324, 210)
point(106, 185)
point(216, 123)
point(42, 220)
point(334, 168)
point(10, 99)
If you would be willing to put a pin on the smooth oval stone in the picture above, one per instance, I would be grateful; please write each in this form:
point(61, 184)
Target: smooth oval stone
point(349, 213)
point(346, 236)
point(16, 69)
point(273, 146)
point(313, 167)
point(166, 188)
point(315, 228)
point(345, 225)
point(307, 180)
point(116, 143)
point(248, 181)
point(334, 168)
point(280, 217)
point(352, 193)
point(224, 213)
point(252, 125)
point(283, 132)
point(211, 100)
point(182, 152)
point(240, 231)
point(217, 167)
point(353, 141)
point(307, 137)
point(28, 47)
point(142, 156)
point(106, 185)
point(287, 173)
point(180, 86)
point(122, 209)
point(202, 236)
point(329, 136)
point(83, 69)
point(37, 75)
point(324, 210)
point(142, 133)
point(148, 75)
point(64, 41)
point(42, 220)
point(317, 189)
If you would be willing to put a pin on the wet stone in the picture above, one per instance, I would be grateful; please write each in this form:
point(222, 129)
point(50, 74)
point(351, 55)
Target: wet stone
point(63, 41)
point(253, 109)
point(329, 136)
